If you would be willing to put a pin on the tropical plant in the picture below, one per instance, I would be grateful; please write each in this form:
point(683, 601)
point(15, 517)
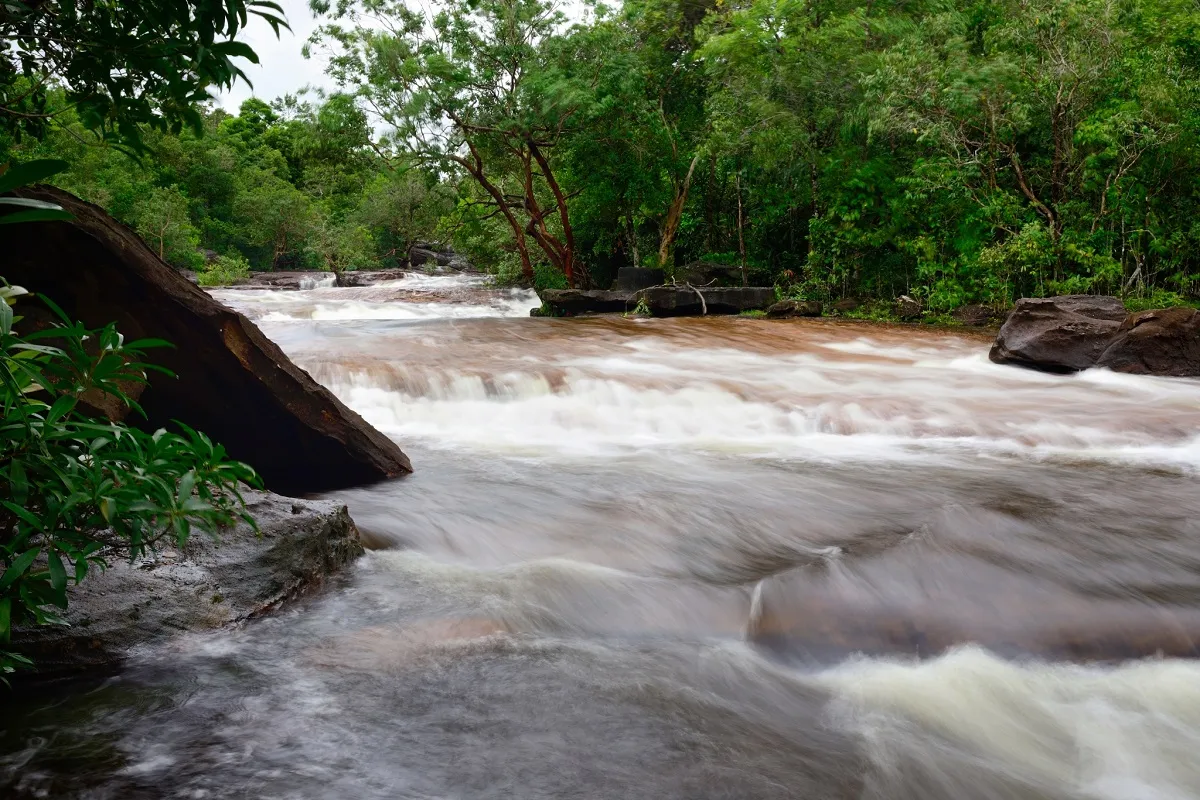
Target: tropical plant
point(76, 489)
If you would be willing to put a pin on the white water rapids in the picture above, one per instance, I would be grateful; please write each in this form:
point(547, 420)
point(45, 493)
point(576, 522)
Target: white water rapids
point(694, 558)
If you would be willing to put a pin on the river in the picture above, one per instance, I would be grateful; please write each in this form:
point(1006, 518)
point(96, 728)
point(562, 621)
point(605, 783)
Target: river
point(691, 558)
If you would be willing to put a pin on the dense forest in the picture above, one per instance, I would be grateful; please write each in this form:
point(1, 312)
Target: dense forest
point(966, 151)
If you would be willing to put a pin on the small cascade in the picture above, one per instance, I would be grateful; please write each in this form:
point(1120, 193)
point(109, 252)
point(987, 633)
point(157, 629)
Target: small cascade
point(323, 282)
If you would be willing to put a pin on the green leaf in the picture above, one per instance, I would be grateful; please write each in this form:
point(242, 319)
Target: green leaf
point(58, 575)
point(24, 514)
point(108, 508)
point(5, 619)
point(62, 406)
point(18, 567)
point(6, 318)
point(18, 175)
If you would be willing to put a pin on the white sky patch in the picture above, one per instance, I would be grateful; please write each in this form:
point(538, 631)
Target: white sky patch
point(281, 68)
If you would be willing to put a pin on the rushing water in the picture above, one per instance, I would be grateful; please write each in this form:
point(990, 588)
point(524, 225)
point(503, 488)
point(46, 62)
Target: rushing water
point(692, 558)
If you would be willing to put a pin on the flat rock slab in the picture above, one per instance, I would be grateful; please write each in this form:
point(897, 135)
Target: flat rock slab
point(1058, 334)
point(208, 585)
point(663, 301)
point(233, 383)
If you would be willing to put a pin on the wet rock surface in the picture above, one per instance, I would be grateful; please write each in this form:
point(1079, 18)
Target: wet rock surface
point(206, 585)
point(1164, 342)
point(1058, 334)
point(662, 301)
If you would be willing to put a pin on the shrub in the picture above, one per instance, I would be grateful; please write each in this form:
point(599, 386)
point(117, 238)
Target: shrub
point(225, 270)
point(75, 490)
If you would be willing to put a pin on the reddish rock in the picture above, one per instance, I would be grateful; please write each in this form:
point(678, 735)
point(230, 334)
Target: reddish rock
point(1058, 334)
point(1164, 342)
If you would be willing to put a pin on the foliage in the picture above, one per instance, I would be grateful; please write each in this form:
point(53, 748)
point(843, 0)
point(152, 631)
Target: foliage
point(225, 271)
point(972, 151)
point(126, 66)
point(75, 489)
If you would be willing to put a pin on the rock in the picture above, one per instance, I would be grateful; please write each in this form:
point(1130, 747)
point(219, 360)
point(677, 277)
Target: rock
point(908, 308)
point(286, 280)
point(682, 301)
point(420, 255)
point(1165, 342)
point(977, 315)
point(233, 382)
point(846, 304)
point(709, 273)
point(570, 302)
point(1058, 334)
point(663, 301)
point(787, 309)
point(631, 279)
point(369, 277)
point(208, 585)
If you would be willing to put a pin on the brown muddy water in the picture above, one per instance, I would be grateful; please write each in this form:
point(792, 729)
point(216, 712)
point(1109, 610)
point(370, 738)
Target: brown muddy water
point(691, 558)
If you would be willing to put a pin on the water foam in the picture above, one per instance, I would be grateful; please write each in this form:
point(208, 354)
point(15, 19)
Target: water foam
point(1106, 732)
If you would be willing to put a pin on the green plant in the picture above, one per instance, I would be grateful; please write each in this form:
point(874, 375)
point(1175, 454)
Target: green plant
point(76, 490)
point(225, 270)
point(642, 309)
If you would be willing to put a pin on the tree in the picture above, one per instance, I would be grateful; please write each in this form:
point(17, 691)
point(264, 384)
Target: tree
point(161, 218)
point(486, 87)
point(124, 66)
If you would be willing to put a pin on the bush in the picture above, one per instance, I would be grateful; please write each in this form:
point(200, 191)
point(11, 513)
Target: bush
point(75, 490)
point(225, 271)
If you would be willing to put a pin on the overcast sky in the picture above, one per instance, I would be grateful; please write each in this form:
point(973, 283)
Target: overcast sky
point(281, 69)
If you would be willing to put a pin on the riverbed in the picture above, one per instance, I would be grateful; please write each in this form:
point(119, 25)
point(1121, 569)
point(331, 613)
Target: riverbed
point(690, 558)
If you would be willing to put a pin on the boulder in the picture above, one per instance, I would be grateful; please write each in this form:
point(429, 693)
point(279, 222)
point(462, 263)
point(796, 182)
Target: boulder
point(570, 302)
point(709, 273)
point(206, 585)
point(684, 301)
point(1058, 334)
point(846, 304)
point(232, 382)
point(631, 279)
point(787, 309)
point(421, 255)
point(907, 308)
point(977, 315)
point(1164, 342)
point(372, 277)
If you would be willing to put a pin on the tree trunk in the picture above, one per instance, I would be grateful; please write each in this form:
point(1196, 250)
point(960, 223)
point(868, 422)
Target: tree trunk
point(564, 216)
point(737, 179)
point(674, 216)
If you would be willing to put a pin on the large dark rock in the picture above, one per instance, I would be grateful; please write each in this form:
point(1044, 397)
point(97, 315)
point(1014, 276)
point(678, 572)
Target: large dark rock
point(684, 301)
point(233, 382)
point(208, 585)
point(786, 309)
point(845, 305)
point(709, 273)
point(1058, 334)
point(1165, 342)
point(631, 279)
point(569, 302)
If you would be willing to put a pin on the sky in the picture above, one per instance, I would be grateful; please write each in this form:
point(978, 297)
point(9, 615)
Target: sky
point(281, 69)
